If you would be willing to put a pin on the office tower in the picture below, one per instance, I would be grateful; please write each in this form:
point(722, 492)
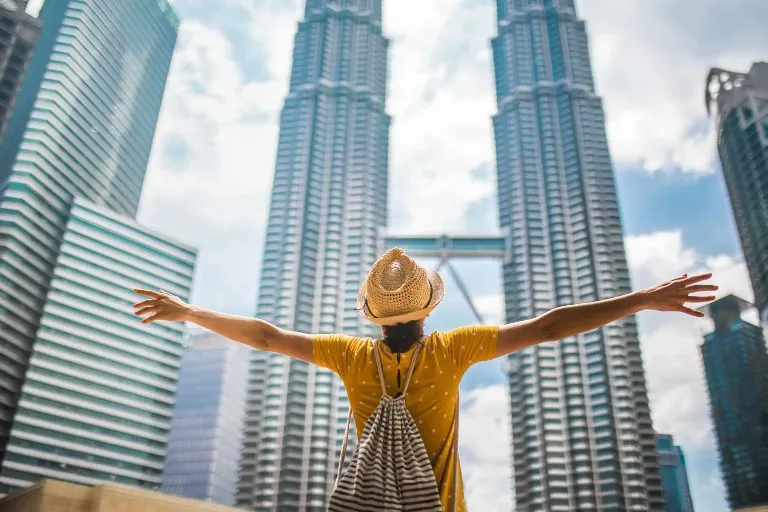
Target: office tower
point(208, 420)
point(674, 474)
point(18, 34)
point(581, 425)
point(98, 393)
point(741, 104)
point(82, 127)
point(736, 370)
point(328, 201)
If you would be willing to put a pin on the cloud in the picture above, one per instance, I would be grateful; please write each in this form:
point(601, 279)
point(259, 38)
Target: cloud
point(650, 60)
point(485, 449)
point(670, 342)
point(210, 171)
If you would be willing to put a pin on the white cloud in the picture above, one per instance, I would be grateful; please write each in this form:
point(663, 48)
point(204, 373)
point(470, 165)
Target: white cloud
point(211, 168)
point(670, 341)
point(485, 449)
point(650, 60)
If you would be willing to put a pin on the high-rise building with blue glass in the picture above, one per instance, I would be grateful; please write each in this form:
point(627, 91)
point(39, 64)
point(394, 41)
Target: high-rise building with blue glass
point(99, 388)
point(736, 370)
point(18, 34)
point(581, 425)
point(740, 101)
point(208, 418)
point(674, 474)
point(328, 201)
point(82, 126)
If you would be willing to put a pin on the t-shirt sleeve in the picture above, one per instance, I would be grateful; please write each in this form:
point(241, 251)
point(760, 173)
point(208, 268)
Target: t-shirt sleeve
point(335, 351)
point(472, 344)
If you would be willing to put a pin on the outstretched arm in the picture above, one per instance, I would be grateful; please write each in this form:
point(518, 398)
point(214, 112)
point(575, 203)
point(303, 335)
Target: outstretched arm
point(249, 331)
point(566, 321)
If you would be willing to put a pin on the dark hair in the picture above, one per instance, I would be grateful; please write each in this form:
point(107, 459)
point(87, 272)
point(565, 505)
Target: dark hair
point(401, 337)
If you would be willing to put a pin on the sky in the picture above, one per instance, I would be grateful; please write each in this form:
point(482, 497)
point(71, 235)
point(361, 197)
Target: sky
point(211, 169)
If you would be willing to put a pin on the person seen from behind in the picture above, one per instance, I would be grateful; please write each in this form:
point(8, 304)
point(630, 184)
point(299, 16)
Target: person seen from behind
point(403, 388)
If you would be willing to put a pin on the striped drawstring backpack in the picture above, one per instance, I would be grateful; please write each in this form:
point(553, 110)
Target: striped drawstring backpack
point(390, 469)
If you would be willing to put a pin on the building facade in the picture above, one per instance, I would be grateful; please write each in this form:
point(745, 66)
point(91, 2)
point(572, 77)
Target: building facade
point(98, 393)
point(328, 195)
point(581, 425)
point(208, 419)
point(736, 370)
point(674, 475)
point(83, 126)
point(18, 34)
point(741, 104)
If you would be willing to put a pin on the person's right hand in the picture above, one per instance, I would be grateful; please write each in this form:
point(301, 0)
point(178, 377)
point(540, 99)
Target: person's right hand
point(160, 306)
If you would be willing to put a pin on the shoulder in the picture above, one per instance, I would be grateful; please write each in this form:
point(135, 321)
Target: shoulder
point(467, 332)
point(340, 342)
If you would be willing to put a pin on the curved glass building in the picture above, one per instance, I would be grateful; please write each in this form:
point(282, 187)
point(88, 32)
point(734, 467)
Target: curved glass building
point(83, 126)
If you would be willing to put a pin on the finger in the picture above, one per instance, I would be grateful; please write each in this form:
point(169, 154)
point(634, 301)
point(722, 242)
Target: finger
point(151, 319)
point(689, 311)
point(702, 288)
point(147, 311)
point(148, 293)
point(697, 278)
point(699, 298)
point(145, 303)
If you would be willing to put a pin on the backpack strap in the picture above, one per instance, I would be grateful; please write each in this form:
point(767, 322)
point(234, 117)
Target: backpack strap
point(344, 447)
point(454, 496)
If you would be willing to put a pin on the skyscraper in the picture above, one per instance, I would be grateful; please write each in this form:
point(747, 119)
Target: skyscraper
point(674, 475)
point(328, 195)
point(581, 425)
point(99, 389)
point(741, 101)
point(206, 432)
point(736, 369)
point(18, 34)
point(83, 127)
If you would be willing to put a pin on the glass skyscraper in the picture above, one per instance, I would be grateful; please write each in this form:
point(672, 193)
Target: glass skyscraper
point(18, 34)
point(674, 475)
point(736, 370)
point(741, 101)
point(581, 425)
point(208, 419)
point(99, 389)
point(328, 201)
point(82, 126)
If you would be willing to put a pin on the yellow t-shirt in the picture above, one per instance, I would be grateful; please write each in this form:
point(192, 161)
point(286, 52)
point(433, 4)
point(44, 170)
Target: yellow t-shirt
point(431, 396)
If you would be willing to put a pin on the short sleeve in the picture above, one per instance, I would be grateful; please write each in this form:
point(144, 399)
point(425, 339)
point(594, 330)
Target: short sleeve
point(472, 344)
point(335, 351)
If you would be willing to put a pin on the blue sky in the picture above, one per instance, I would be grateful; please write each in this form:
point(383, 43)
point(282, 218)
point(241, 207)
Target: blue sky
point(212, 163)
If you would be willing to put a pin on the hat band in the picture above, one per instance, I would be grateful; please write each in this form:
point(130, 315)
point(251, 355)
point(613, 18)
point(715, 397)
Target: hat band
point(429, 301)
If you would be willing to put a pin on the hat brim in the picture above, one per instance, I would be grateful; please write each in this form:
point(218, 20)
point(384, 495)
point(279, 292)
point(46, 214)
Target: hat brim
point(438, 292)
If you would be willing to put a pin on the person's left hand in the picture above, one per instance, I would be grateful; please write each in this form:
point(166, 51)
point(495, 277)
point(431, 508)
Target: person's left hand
point(160, 306)
point(673, 295)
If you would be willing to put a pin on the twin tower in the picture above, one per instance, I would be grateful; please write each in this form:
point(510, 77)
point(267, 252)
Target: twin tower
point(582, 437)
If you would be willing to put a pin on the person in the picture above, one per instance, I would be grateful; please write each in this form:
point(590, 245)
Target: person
point(398, 294)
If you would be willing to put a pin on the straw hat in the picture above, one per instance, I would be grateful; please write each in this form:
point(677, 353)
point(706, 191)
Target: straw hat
point(399, 290)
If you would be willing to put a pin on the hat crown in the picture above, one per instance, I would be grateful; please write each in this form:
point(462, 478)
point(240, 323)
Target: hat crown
point(397, 285)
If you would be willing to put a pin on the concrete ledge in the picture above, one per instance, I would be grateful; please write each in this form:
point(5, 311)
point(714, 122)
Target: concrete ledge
point(54, 496)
